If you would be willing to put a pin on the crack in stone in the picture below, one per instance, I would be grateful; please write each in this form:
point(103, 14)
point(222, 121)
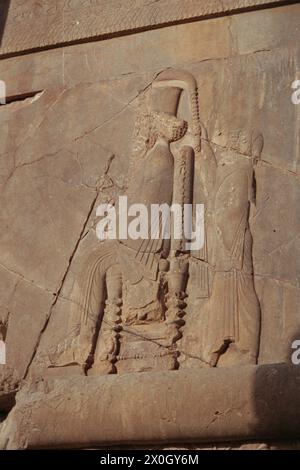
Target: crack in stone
point(33, 130)
point(107, 121)
point(224, 147)
point(217, 416)
point(23, 278)
point(291, 47)
point(285, 282)
point(29, 132)
point(151, 340)
point(57, 296)
point(260, 161)
point(80, 238)
point(19, 101)
point(285, 171)
point(284, 244)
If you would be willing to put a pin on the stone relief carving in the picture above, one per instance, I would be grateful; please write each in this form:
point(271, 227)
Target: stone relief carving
point(131, 309)
point(108, 18)
point(231, 317)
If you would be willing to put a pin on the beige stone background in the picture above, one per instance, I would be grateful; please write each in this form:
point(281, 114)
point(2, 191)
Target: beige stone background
point(65, 146)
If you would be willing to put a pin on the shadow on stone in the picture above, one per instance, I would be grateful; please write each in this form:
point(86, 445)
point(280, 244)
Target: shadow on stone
point(276, 403)
point(4, 7)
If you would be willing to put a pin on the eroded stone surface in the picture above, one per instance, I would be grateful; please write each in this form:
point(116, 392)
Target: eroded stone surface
point(198, 112)
point(52, 23)
point(235, 404)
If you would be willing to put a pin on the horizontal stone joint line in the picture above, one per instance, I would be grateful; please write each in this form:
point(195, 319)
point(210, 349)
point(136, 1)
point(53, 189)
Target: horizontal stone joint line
point(123, 21)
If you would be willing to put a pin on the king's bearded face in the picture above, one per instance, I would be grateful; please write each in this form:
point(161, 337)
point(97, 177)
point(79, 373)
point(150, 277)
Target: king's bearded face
point(168, 127)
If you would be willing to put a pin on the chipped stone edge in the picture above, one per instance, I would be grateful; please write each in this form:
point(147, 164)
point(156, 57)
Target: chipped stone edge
point(9, 386)
point(233, 404)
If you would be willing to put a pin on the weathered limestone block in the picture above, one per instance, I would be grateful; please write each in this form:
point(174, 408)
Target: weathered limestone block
point(64, 21)
point(172, 112)
point(213, 405)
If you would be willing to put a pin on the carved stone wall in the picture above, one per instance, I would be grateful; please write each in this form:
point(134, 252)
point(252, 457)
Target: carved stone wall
point(48, 23)
point(167, 103)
